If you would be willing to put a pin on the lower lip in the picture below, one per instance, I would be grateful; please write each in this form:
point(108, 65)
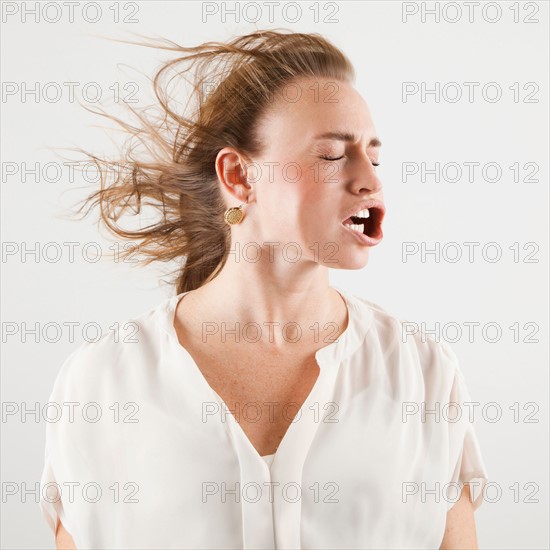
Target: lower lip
point(362, 238)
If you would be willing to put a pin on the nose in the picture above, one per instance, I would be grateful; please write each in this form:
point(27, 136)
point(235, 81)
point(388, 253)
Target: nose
point(364, 177)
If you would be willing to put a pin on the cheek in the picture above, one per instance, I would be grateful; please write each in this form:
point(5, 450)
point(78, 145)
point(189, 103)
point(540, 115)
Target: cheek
point(323, 206)
point(294, 201)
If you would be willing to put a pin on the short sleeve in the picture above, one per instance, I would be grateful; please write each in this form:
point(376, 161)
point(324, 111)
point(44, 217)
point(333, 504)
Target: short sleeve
point(51, 484)
point(50, 501)
point(466, 461)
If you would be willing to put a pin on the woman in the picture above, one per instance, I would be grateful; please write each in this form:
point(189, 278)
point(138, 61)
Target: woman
point(260, 407)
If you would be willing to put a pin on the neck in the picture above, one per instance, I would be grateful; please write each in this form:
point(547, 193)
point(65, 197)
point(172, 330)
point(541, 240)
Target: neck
point(276, 292)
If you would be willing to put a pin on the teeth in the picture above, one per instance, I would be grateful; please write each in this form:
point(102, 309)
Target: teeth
point(356, 227)
point(363, 213)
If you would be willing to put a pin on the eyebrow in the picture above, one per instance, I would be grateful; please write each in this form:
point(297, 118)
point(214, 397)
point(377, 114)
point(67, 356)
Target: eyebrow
point(347, 136)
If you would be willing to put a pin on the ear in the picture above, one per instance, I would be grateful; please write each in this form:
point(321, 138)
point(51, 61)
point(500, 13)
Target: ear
point(231, 171)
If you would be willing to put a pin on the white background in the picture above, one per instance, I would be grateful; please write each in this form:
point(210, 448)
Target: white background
point(386, 52)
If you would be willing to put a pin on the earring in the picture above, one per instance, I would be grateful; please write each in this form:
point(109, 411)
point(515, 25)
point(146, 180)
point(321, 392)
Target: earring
point(234, 215)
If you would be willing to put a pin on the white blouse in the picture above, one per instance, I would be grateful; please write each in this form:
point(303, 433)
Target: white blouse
point(151, 458)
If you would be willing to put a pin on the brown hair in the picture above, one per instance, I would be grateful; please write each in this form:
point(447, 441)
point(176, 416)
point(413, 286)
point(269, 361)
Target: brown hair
point(179, 180)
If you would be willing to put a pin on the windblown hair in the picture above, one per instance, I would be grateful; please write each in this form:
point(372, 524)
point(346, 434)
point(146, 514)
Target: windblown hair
point(233, 83)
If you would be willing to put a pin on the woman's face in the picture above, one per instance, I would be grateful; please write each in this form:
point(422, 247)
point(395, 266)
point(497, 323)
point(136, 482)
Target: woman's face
point(317, 170)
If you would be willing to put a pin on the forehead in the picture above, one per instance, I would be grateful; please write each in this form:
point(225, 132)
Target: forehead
point(307, 107)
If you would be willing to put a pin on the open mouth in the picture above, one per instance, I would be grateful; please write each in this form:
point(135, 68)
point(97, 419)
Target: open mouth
point(367, 221)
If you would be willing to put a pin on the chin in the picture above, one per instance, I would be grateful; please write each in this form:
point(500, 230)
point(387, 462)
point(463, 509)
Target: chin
point(352, 260)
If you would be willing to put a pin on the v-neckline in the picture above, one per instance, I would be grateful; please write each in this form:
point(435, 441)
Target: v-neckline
point(208, 389)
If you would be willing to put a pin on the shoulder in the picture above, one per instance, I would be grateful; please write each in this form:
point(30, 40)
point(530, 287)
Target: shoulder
point(122, 354)
point(406, 342)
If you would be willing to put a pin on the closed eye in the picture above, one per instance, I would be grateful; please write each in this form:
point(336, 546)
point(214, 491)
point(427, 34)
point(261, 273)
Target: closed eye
point(329, 158)
point(339, 158)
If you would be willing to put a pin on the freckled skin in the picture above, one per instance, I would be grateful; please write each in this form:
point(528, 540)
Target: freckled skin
point(309, 210)
point(460, 530)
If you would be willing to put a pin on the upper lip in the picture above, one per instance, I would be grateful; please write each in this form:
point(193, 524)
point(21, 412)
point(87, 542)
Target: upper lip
point(372, 203)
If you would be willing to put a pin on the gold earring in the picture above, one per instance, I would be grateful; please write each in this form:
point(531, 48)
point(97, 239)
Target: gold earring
point(234, 215)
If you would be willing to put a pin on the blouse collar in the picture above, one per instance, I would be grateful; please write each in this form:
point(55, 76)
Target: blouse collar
point(359, 321)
